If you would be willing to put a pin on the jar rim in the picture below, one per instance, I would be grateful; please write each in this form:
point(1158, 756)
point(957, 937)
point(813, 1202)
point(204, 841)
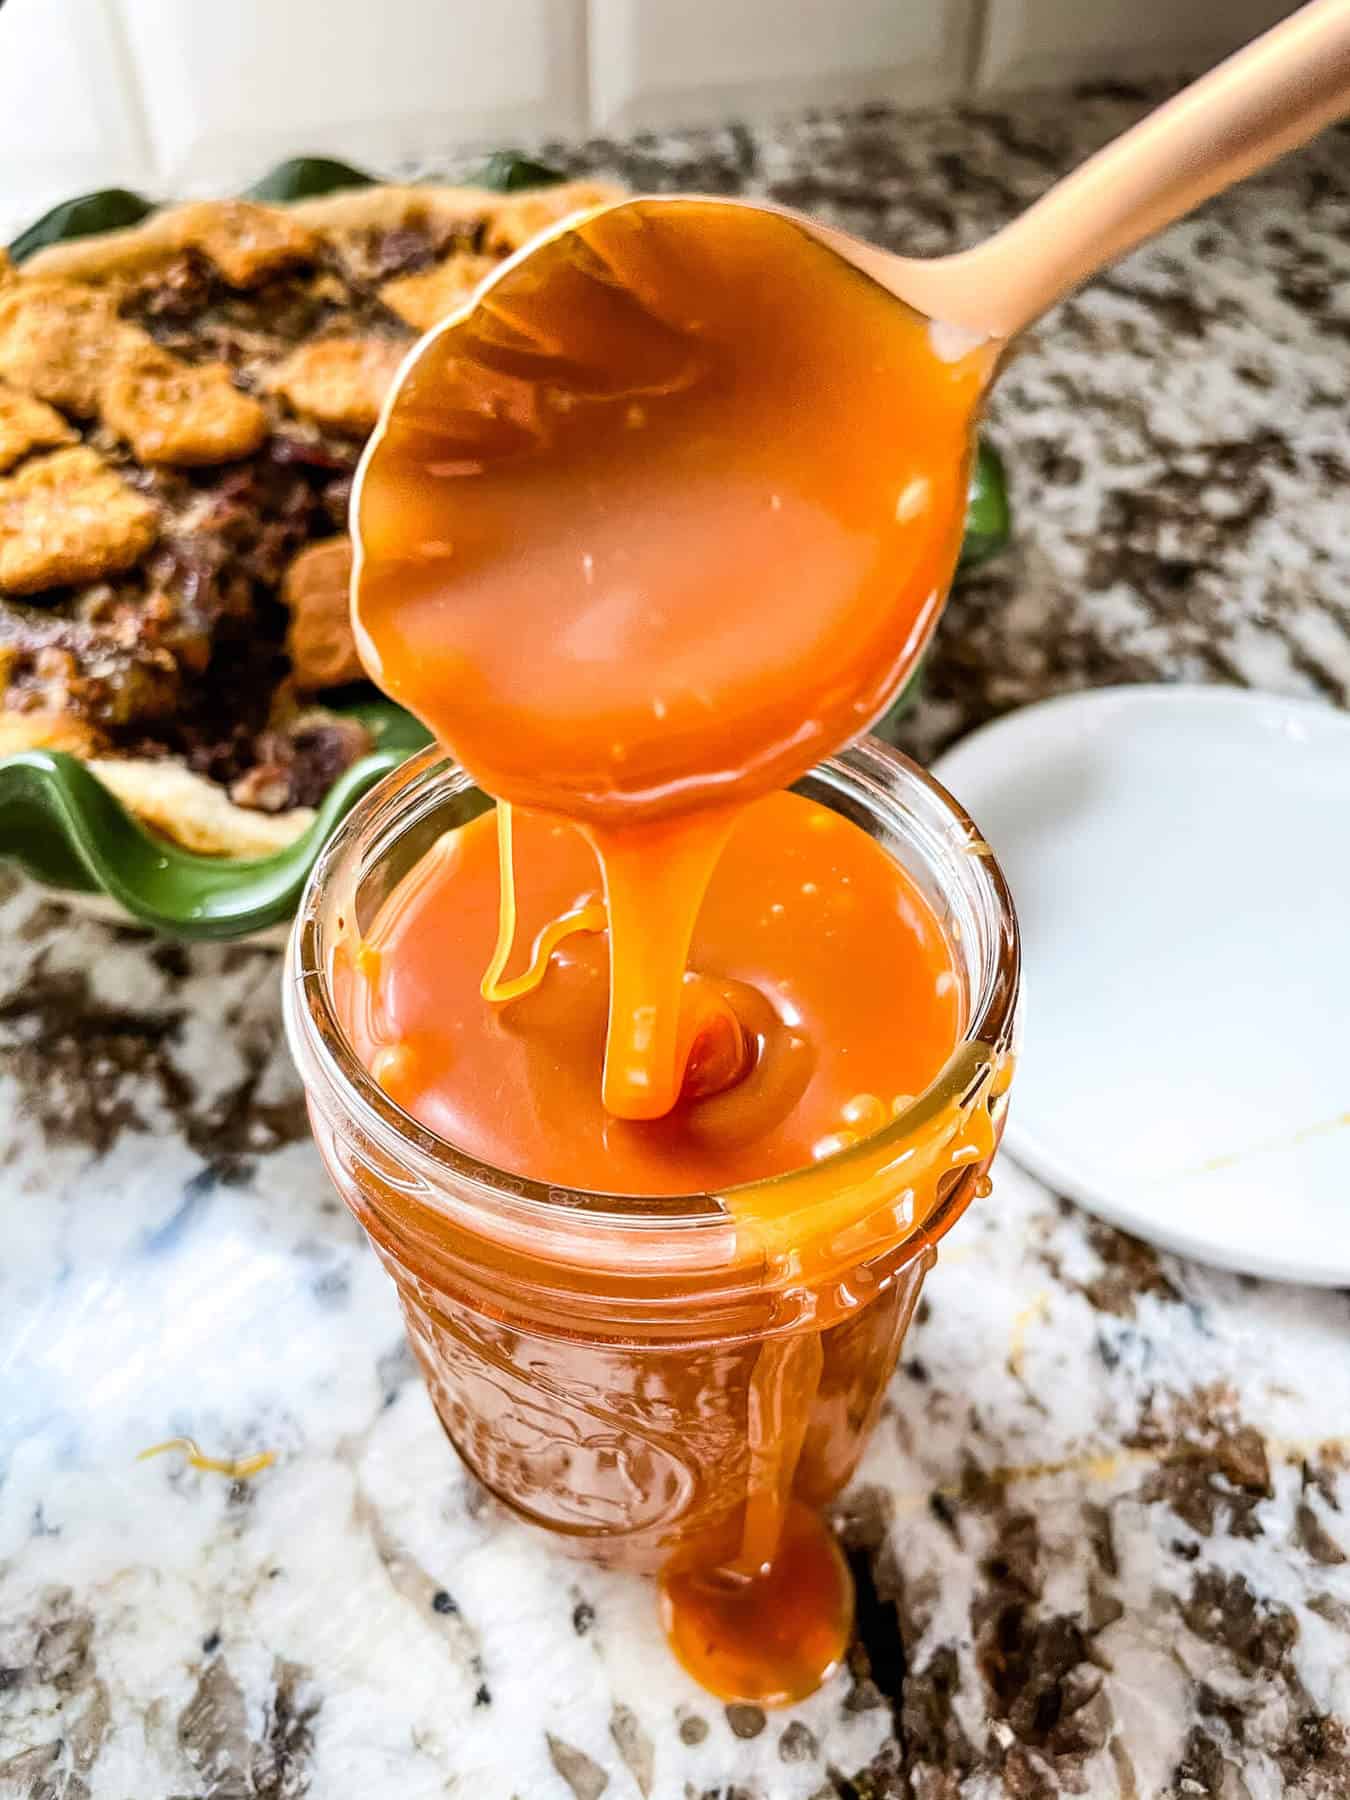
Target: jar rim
point(871, 778)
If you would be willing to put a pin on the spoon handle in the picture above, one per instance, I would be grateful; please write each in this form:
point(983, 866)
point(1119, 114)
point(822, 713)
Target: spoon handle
point(1267, 99)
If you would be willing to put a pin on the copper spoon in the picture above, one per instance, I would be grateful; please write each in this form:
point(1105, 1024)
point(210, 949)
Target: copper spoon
point(1261, 102)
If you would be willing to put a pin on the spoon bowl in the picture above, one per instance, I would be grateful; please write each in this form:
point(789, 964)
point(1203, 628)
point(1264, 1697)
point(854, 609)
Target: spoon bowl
point(666, 514)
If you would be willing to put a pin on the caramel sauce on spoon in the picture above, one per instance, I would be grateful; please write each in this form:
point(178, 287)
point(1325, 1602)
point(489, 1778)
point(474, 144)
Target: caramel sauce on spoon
point(664, 519)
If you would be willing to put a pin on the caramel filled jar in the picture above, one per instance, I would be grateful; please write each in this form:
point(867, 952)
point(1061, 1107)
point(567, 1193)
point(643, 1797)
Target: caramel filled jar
point(654, 1380)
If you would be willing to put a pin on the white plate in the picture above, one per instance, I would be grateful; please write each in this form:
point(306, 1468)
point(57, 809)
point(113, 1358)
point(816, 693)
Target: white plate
point(1180, 859)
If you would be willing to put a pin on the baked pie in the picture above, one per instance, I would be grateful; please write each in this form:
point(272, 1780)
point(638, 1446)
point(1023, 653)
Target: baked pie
point(182, 407)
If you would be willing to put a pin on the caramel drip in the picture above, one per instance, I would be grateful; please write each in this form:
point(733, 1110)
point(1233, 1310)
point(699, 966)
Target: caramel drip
point(890, 1184)
point(654, 875)
point(708, 1049)
point(778, 1408)
point(641, 540)
point(590, 916)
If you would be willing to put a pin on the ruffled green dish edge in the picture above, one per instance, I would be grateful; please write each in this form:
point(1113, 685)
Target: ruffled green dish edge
point(64, 828)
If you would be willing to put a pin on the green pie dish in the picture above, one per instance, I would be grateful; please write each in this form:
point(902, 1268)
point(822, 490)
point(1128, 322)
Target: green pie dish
point(59, 822)
point(61, 825)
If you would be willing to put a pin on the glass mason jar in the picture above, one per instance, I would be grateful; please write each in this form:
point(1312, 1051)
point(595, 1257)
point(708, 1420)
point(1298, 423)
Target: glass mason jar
point(653, 1377)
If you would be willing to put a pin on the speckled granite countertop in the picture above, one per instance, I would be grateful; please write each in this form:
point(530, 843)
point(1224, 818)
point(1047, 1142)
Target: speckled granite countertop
point(1101, 1534)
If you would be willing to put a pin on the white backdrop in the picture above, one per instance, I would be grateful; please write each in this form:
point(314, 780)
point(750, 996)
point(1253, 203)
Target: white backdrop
point(181, 96)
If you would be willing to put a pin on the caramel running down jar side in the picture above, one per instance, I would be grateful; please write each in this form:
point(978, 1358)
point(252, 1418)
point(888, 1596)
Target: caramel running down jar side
point(646, 1377)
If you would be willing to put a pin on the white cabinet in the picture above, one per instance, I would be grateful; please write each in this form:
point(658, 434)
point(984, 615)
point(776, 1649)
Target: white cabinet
point(69, 119)
point(669, 62)
point(184, 96)
point(230, 88)
point(1044, 43)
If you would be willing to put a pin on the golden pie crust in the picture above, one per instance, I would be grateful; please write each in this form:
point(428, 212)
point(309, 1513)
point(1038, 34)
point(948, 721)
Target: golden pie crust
point(56, 340)
point(340, 381)
point(170, 411)
point(424, 299)
point(67, 517)
point(28, 424)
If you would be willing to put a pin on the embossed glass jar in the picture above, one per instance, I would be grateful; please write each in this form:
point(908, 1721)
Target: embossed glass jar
point(598, 1360)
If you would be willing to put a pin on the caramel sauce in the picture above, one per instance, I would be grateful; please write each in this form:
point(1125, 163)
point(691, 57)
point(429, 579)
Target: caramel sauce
point(238, 1468)
point(663, 520)
point(772, 1639)
point(517, 1084)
